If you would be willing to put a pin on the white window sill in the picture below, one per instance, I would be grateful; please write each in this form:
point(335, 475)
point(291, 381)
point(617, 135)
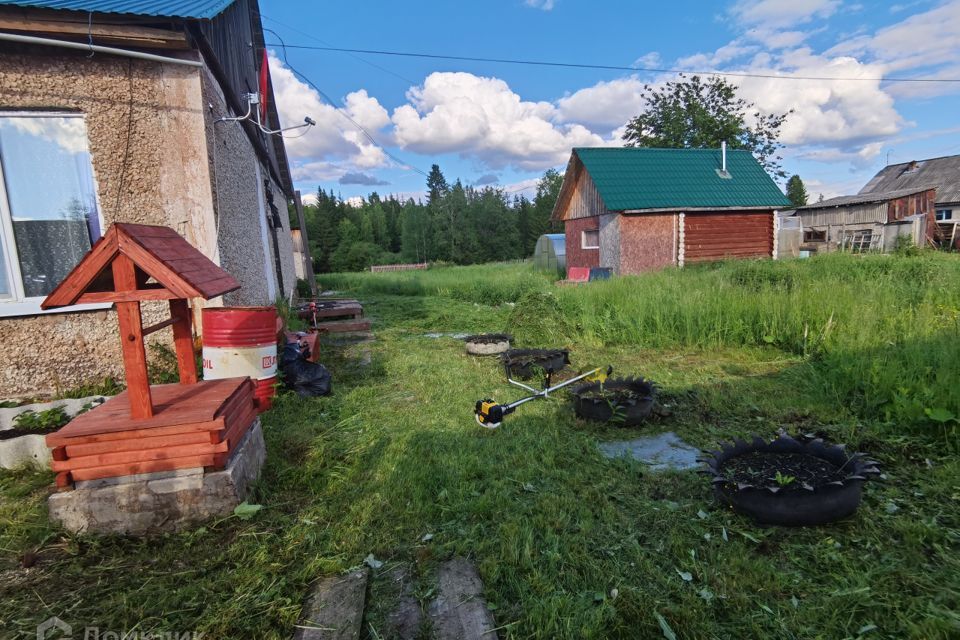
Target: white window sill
point(585, 248)
point(31, 307)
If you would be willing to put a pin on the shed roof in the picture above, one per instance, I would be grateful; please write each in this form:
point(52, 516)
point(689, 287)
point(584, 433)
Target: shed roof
point(942, 173)
point(190, 9)
point(863, 198)
point(641, 178)
point(180, 271)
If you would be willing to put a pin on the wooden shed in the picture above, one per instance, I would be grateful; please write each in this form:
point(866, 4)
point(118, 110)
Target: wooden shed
point(634, 209)
point(875, 221)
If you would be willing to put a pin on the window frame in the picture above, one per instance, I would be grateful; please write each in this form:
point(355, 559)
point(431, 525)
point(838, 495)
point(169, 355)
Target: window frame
point(583, 239)
point(18, 304)
point(815, 235)
point(944, 213)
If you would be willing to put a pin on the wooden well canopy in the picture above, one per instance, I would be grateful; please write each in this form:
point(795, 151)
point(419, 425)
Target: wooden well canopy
point(132, 263)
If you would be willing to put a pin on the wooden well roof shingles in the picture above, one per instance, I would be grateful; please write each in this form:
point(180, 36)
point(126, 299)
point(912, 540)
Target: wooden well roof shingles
point(158, 252)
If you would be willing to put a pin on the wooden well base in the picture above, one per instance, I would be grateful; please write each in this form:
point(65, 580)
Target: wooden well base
point(194, 425)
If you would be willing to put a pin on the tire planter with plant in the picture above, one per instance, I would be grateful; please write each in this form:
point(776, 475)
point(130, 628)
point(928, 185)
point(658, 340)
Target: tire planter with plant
point(624, 402)
point(488, 344)
point(524, 364)
point(788, 481)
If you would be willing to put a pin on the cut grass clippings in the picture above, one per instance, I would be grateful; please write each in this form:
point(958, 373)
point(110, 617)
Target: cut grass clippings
point(569, 544)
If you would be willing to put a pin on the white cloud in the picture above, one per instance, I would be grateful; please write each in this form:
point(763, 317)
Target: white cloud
point(483, 118)
point(648, 60)
point(605, 105)
point(334, 145)
point(782, 13)
point(70, 134)
point(544, 5)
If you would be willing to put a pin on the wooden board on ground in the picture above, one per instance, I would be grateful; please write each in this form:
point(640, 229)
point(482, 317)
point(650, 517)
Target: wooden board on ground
point(334, 609)
point(459, 610)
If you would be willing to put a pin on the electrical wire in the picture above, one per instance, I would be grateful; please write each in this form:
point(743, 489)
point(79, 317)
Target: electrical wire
point(324, 42)
point(343, 113)
point(609, 67)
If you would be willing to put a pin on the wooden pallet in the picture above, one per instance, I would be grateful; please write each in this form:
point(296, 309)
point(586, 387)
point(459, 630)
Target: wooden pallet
point(196, 425)
point(336, 315)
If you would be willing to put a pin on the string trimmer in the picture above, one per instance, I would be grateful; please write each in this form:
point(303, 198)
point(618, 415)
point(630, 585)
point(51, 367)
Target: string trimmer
point(489, 414)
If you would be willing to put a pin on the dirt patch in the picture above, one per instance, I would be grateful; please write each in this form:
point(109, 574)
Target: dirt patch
point(786, 471)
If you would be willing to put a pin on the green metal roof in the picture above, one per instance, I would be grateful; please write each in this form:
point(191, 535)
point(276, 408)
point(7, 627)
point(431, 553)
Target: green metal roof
point(640, 178)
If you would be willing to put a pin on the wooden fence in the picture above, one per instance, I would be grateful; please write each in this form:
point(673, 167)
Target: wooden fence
point(380, 268)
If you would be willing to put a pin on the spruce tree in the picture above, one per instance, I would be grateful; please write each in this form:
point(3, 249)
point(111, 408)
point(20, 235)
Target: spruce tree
point(796, 191)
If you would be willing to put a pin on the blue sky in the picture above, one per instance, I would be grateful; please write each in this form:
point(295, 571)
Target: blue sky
point(490, 123)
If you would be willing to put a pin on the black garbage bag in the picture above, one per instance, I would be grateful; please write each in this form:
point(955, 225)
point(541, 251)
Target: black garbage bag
point(308, 379)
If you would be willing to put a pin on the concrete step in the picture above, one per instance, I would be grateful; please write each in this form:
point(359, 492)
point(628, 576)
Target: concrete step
point(334, 610)
point(459, 611)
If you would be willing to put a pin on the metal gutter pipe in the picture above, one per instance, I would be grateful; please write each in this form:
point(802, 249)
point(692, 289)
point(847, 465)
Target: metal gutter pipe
point(14, 37)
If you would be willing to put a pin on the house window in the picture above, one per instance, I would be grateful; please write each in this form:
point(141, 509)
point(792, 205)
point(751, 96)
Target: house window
point(48, 205)
point(814, 235)
point(590, 239)
point(944, 214)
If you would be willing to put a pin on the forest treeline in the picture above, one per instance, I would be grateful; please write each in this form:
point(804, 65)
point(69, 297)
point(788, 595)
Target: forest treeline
point(457, 224)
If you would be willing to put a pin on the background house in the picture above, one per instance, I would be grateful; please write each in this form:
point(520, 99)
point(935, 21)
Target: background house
point(91, 138)
point(942, 174)
point(868, 222)
point(634, 209)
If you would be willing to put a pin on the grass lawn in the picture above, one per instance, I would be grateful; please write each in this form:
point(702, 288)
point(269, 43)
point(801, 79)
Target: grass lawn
point(863, 350)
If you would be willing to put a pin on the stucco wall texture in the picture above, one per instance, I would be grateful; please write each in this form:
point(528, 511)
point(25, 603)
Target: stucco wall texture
point(246, 248)
point(576, 255)
point(647, 241)
point(148, 141)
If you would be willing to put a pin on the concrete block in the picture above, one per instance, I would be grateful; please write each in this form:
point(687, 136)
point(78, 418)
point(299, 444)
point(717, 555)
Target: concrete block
point(140, 477)
point(334, 610)
point(152, 504)
point(30, 449)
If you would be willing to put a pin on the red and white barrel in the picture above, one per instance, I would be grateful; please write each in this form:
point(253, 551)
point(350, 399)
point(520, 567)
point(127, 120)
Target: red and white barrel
point(242, 341)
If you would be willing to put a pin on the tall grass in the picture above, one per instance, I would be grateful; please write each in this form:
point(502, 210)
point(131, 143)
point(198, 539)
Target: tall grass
point(491, 284)
point(881, 332)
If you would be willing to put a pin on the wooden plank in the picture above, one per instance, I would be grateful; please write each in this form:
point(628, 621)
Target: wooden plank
point(131, 336)
point(137, 455)
point(183, 341)
point(102, 28)
point(132, 444)
point(344, 326)
point(150, 466)
point(81, 276)
point(102, 297)
point(63, 480)
point(179, 409)
point(137, 434)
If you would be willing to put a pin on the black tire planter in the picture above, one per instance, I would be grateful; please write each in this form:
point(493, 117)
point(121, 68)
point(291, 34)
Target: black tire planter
point(524, 364)
point(806, 504)
point(488, 344)
point(626, 402)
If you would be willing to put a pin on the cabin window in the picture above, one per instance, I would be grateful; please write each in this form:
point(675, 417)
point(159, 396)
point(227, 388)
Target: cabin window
point(814, 235)
point(49, 216)
point(944, 214)
point(590, 239)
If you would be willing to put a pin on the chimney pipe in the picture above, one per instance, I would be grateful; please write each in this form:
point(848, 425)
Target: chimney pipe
point(723, 155)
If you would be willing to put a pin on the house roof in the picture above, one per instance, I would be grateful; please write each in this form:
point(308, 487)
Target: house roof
point(158, 253)
point(863, 198)
point(190, 9)
point(639, 178)
point(942, 173)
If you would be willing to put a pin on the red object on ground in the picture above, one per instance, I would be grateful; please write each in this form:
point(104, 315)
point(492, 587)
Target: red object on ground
point(578, 274)
point(242, 341)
